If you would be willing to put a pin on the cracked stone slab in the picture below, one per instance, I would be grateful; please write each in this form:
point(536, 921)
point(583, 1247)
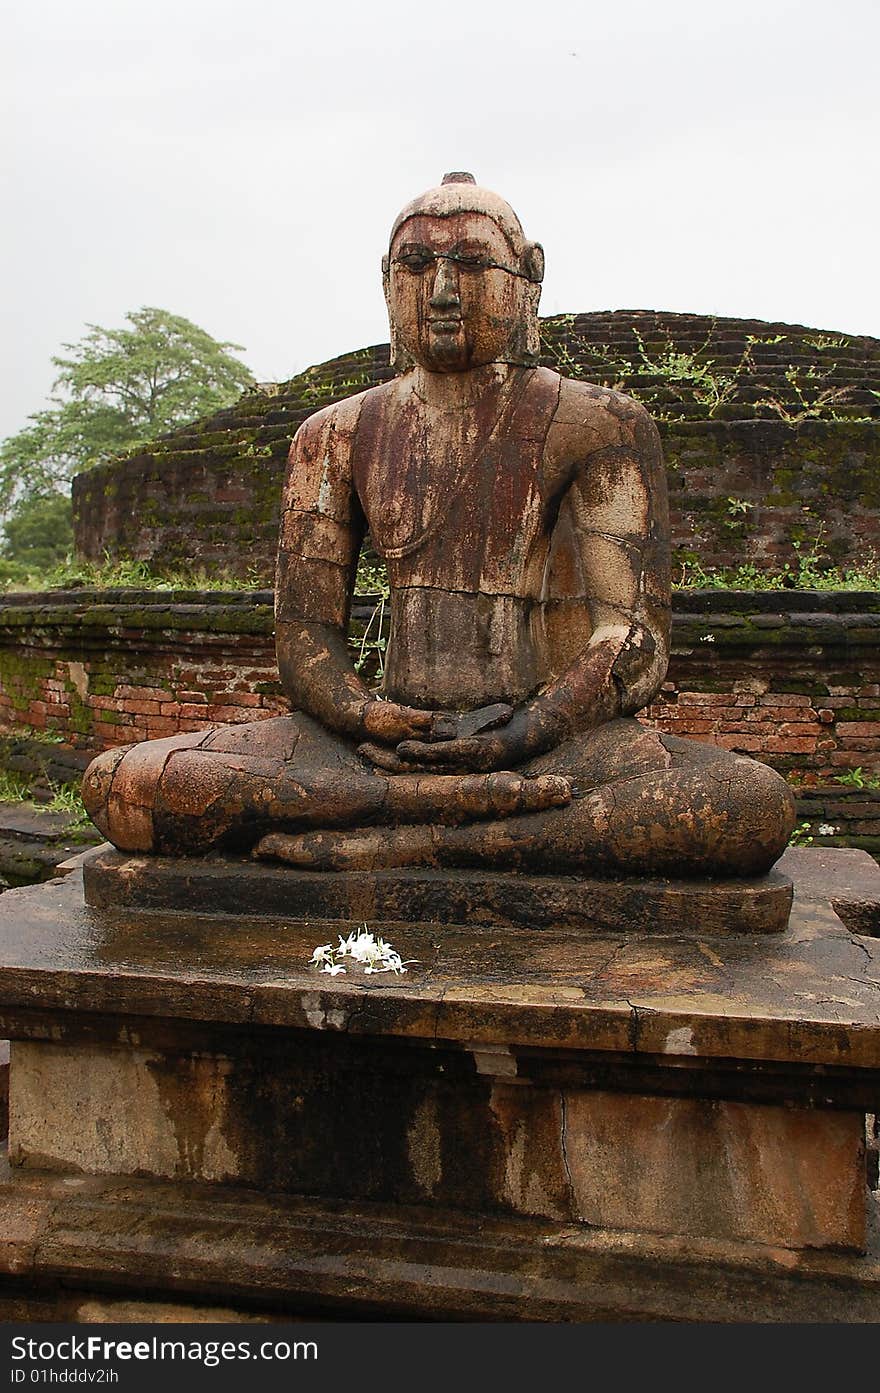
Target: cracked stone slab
point(806, 997)
point(847, 879)
point(33, 841)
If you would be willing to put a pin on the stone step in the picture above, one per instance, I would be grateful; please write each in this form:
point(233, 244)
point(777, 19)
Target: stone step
point(33, 842)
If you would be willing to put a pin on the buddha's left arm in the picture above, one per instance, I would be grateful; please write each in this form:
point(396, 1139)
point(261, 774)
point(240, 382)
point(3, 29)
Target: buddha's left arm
point(620, 530)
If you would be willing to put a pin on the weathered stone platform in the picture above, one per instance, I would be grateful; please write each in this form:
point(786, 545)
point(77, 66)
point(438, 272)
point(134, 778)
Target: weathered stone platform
point(489, 899)
point(616, 1125)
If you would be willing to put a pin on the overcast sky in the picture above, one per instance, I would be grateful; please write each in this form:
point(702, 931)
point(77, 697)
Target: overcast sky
point(240, 162)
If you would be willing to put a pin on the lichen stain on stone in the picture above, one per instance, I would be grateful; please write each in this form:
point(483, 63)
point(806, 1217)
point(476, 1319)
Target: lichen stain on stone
point(424, 1144)
point(531, 1179)
point(794, 1173)
point(80, 678)
point(498, 1061)
point(99, 1111)
point(680, 1041)
point(317, 1014)
point(193, 1096)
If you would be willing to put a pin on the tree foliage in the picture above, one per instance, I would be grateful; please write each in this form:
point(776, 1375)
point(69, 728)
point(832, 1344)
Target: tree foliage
point(116, 390)
point(38, 536)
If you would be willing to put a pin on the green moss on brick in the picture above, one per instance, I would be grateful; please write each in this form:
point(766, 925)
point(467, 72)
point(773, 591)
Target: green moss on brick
point(22, 676)
point(100, 684)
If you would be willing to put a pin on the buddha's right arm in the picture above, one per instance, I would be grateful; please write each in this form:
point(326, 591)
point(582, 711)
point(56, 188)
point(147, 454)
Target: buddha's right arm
point(322, 528)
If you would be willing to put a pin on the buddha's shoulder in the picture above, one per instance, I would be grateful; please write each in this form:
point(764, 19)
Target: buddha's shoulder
point(587, 404)
point(341, 417)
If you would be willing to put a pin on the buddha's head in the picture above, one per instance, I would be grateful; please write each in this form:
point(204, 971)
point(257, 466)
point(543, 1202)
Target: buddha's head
point(462, 283)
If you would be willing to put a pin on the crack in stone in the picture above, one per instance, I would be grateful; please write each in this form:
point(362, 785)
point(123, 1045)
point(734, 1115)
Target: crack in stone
point(864, 982)
point(419, 587)
point(635, 1022)
point(564, 1150)
point(633, 1026)
point(439, 1002)
point(629, 541)
point(869, 957)
point(353, 1017)
point(603, 967)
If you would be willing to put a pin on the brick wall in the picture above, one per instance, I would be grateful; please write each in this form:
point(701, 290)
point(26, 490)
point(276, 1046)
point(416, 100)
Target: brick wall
point(104, 668)
point(789, 677)
point(833, 815)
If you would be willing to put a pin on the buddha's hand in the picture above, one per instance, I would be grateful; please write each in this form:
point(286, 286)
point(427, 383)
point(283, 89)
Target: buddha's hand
point(389, 722)
point(441, 727)
point(529, 732)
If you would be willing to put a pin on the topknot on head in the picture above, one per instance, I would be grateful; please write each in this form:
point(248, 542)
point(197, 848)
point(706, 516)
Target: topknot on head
point(458, 176)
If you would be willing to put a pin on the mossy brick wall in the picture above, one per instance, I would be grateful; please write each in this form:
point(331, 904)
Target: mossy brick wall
point(787, 421)
point(817, 480)
point(40, 761)
point(104, 668)
point(790, 677)
point(209, 495)
point(834, 815)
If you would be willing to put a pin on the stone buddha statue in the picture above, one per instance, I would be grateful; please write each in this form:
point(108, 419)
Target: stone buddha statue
point(522, 517)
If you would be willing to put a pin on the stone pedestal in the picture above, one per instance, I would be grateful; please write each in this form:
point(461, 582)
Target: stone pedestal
point(615, 1124)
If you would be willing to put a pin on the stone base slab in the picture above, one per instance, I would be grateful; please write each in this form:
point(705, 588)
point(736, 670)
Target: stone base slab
point(471, 1134)
point(701, 1091)
point(71, 1248)
point(239, 886)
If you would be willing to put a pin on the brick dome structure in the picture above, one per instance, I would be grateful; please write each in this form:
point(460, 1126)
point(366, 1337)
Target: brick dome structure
point(771, 434)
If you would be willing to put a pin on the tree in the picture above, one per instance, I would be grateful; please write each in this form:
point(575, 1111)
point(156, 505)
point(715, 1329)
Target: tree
point(117, 390)
point(38, 536)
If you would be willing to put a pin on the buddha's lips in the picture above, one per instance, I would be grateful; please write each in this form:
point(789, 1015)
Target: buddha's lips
point(446, 325)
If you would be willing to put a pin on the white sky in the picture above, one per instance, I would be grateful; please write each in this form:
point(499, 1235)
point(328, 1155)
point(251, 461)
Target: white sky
point(240, 161)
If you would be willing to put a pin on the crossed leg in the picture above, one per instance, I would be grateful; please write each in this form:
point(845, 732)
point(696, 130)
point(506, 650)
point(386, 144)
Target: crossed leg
point(643, 802)
point(229, 786)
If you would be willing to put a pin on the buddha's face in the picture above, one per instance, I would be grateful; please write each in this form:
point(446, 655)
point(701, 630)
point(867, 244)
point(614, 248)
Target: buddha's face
point(455, 291)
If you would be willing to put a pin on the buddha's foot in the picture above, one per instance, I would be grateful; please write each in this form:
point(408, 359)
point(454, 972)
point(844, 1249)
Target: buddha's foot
point(360, 849)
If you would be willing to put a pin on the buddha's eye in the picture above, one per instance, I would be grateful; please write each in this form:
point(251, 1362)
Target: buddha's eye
point(473, 261)
point(416, 261)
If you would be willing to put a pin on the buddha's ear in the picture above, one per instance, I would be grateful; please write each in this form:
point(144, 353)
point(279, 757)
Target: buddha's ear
point(400, 358)
point(533, 262)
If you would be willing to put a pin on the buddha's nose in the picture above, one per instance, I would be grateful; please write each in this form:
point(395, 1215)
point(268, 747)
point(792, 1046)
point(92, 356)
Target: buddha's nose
point(445, 290)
